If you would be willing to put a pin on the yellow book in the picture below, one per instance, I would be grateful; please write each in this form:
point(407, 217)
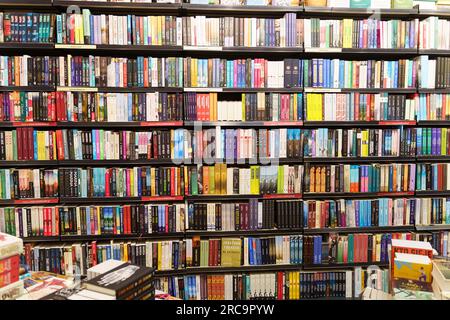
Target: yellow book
point(154, 29)
point(217, 176)
point(99, 225)
point(347, 26)
point(132, 182)
point(206, 188)
point(55, 150)
point(243, 107)
point(194, 72)
point(231, 252)
point(153, 181)
point(254, 179)
point(365, 143)
point(172, 144)
point(223, 178)
point(412, 266)
point(314, 107)
point(160, 22)
point(159, 256)
point(443, 141)
point(40, 145)
point(212, 184)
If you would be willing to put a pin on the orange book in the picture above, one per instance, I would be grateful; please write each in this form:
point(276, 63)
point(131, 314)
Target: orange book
point(323, 179)
point(217, 178)
point(146, 84)
point(223, 178)
point(394, 179)
point(405, 178)
point(317, 179)
point(205, 179)
point(312, 183)
point(209, 287)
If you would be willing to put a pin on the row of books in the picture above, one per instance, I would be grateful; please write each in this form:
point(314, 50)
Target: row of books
point(92, 220)
point(361, 107)
point(119, 145)
point(432, 141)
point(252, 107)
point(90, 107)
point(361, 34)
point(243, 32)
point(351, 248)
point(253, 215)
point(76, 258)
point(235, 252)
point(361, 178)
point(336, 73)
point(94, 71)
point(434, 73)
point(141, 219)
point(350, 213)
point(87, 28)
point(28, 183)
point(27, 27)
point(242, 143)
point(326, 142)
point(289, 285)
point(111, 107)
point(121, 182)
point(222, 180)
point(433, 176)
point(439, 240)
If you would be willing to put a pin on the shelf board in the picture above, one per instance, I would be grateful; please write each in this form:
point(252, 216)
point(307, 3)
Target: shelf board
point(117, 89)
point(375, 229)
point(360, 12)
point(253, 268)
point(431, 193)
point(150, 236)
point(202, 9)
point(434, 52)
point(43, 201)
point(115, 162)
point(386, 159)
point(242, 90)
point(441, 12)
point(314, 124)
point(25, 3)
point(435, 90)
point(241, 124)
point(430, 123)
point(41, 239)
point(365, 51)
point(26, 45)
point(343, 265)
point(355, 195)
point(260, 232)
point(360, 90)
point(27, 88)
point(162, 8)
point(242, 197)
point(103, 200)
point(434, 227)
point(433, 158)
point(29, 163)
point(120, 48)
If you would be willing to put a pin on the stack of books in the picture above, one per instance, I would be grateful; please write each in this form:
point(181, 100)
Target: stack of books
point(441, 278)
point(10, 249)
point(411, 270)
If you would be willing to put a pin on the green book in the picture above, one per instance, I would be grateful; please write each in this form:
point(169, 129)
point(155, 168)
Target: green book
point(280, 180)
point(350, 257)
point(360, 3)
point(402, 4)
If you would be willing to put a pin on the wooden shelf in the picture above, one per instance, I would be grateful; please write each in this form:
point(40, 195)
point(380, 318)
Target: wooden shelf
point(345, 230)
point(157, 8)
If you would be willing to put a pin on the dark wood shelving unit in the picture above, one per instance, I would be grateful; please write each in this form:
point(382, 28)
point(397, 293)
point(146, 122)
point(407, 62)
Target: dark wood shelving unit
point(187, 9)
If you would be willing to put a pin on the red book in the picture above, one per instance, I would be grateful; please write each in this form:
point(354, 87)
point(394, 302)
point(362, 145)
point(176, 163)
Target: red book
point(280, 284)
point(94, 253)
point(60, 145)
point(30, 144)
point(172, 181)
point(7, 278)
point(19, 144)
point(107, 183)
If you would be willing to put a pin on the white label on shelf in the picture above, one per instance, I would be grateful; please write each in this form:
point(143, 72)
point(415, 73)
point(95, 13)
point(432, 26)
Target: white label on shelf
point(75, 46)
point(76, 89)
point(383, 99)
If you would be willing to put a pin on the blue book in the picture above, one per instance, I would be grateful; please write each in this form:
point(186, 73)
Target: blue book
point(258, 252)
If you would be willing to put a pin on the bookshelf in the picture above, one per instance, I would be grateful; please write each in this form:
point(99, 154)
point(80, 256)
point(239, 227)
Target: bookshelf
point(224, 93)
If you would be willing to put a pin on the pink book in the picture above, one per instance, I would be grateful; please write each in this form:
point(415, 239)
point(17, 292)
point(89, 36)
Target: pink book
point(235, 73)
